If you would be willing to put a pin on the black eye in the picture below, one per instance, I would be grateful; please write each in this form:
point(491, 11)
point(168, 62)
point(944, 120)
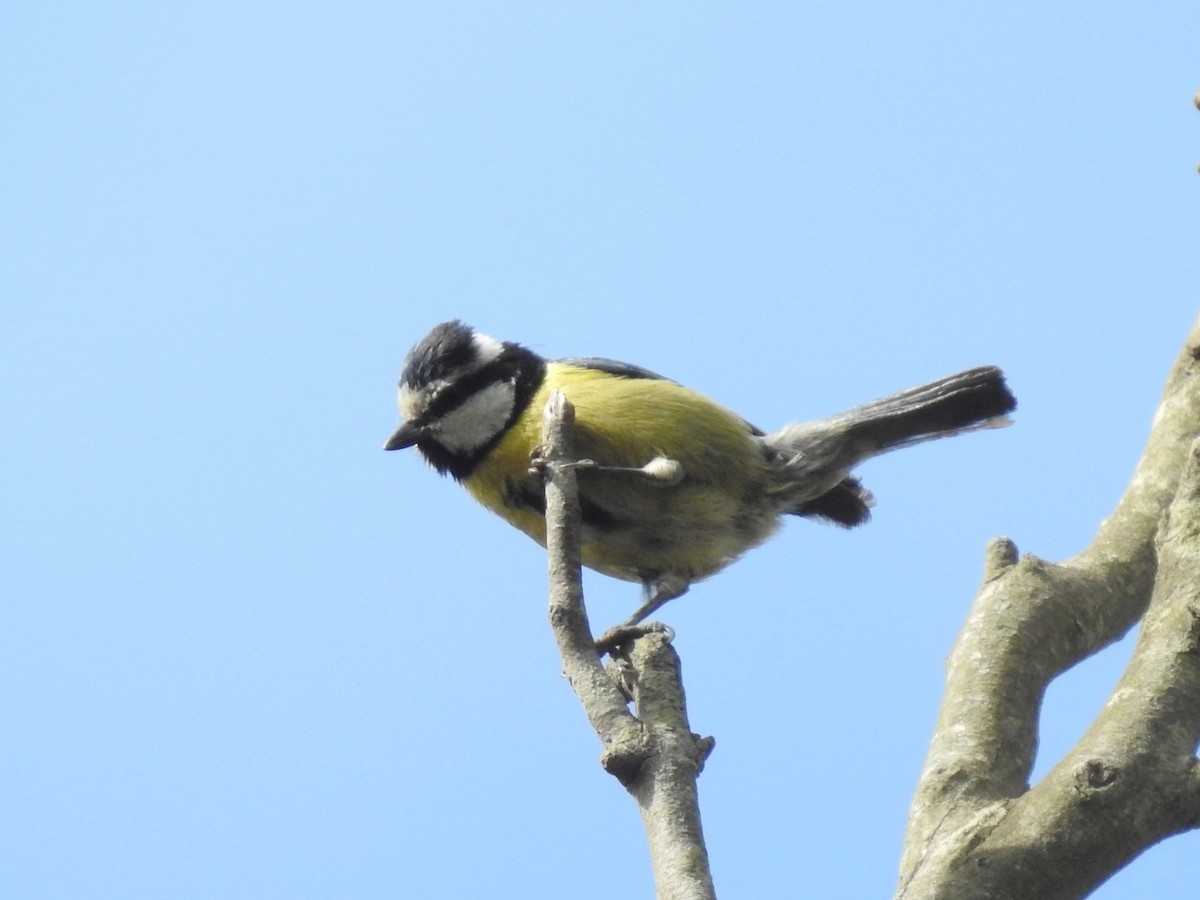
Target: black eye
point(446, 397)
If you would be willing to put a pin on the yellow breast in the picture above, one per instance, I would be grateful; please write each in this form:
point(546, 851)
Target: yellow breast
point(694, 528)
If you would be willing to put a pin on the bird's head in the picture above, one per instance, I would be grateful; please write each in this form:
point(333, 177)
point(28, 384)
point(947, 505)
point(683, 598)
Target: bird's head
point(459, 391)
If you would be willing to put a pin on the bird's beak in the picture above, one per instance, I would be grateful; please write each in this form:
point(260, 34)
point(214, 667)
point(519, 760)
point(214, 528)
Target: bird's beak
point(406, 435)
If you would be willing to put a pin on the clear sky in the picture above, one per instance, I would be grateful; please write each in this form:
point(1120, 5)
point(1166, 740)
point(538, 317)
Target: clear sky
point(246, 654)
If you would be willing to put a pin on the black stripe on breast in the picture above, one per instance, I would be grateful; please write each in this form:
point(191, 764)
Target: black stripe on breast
point(528, 495)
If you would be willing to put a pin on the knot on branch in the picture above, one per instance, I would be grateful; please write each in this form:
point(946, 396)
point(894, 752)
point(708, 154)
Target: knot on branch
point(998, 558)
point(624, 758)
point(1095, 775)
point(704, 749)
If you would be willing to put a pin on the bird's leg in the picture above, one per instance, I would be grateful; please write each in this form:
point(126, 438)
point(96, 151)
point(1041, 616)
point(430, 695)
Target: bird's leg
point(655, 594)
point(660, 472)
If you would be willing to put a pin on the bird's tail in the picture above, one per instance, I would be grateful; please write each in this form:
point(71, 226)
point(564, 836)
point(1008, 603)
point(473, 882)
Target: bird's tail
point(974, 399)
point(813, 459)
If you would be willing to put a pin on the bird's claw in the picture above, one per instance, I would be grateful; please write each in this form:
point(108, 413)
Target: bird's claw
point(618, 636)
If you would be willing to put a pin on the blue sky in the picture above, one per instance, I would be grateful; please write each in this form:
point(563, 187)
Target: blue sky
point(246, 654)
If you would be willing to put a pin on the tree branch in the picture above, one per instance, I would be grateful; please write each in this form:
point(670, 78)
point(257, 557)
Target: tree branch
point(654, 754)
point(973, 813)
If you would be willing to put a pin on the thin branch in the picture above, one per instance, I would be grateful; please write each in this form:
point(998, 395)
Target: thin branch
point(603, 701)
point(654, 755)
point(666, 787)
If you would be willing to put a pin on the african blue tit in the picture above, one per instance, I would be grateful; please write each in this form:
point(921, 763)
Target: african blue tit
point(680, 486)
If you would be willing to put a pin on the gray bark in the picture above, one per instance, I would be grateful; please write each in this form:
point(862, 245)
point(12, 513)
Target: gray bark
point(977, 829)
point(654, 754)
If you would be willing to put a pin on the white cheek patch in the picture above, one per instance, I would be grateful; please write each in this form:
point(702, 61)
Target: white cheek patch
point(477, 419)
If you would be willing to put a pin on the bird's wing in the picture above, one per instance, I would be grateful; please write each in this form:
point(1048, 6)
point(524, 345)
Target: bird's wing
point(612, 367)
point(629, 370)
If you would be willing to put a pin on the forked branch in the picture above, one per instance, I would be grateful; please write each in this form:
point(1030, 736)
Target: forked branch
point(654, 753)
point(977, 829)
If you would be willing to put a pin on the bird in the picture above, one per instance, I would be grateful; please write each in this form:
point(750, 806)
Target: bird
point(676, 486)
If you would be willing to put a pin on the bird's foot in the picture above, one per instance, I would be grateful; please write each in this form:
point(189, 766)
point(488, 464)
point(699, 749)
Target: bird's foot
point(612, 640)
